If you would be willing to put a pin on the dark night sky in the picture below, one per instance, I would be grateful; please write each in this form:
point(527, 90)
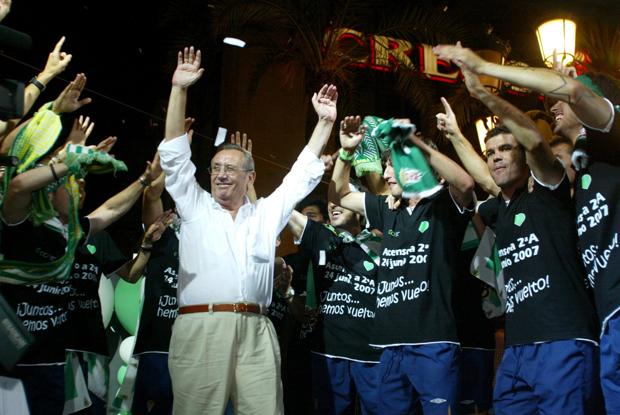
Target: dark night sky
point(126, 49)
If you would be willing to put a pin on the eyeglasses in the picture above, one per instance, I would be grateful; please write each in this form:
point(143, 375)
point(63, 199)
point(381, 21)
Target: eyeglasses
point(226, 169)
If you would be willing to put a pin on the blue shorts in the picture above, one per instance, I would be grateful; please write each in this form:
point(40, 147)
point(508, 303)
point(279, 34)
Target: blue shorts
point(336, 382)
point(419, 376)
point(610, 365)
point(153, 387)
point(559, 377)
point(476, 384)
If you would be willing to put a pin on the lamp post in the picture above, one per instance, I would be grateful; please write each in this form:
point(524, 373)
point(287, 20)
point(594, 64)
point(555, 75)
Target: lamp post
point(557, 35)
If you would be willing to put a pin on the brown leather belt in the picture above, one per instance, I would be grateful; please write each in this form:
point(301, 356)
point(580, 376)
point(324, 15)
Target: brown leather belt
point(231, 308)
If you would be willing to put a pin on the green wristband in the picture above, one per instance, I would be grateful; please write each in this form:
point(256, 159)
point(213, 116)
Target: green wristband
point(345, 155)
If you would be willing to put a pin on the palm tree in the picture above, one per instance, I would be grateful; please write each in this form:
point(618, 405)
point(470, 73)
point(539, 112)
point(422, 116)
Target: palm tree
point(602, 44)
point(300, 34)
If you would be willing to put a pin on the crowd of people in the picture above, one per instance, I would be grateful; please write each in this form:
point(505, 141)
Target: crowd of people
point(379, 311)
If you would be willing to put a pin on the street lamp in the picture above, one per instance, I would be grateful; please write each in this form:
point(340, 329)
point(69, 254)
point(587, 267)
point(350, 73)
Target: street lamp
point(557, 35)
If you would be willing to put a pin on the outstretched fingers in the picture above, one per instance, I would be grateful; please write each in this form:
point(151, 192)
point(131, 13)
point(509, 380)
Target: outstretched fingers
point(58, 46)
point(106, 144)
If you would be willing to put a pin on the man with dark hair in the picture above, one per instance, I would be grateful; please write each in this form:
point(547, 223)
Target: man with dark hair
point(414, 322)
point(313, 208)
point(343, 364)
point(589, 101)
point(551, 358)
point(223, 347)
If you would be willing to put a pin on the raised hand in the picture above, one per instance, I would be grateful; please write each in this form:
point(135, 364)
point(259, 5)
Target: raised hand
point(188, 123)
point(460, 56)
point(81, 130)
point(106, 145)
point(157, 228)
point(446, 122)
point(351, 132)
point(69, 99)
point(153, 169)
point(57, 60)
point(393, 202)
point(324, 103)
point(188, 69)
point(329, 160)
point(242, 141)
point(558, 66)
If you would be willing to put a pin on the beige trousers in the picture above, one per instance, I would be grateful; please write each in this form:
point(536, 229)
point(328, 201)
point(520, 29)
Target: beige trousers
point(219, 356)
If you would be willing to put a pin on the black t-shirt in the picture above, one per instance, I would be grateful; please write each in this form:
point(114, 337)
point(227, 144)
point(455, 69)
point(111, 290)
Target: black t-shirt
point(597, 198)
point(475, 330)
point(301, 261)
point(346, 287)
point(605, 147)
point(536, 241)
point(160, 307)
point(419, 260)
point(43, 308)
point(98, 255)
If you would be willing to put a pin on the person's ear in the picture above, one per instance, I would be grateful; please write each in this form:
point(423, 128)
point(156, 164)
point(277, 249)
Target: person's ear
point(252, 176)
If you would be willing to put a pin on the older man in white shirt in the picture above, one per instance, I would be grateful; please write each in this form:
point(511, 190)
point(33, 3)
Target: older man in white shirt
point(223, 346)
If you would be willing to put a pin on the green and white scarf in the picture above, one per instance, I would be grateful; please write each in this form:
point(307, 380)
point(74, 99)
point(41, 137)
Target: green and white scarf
point(30, 145)
point(368, 241)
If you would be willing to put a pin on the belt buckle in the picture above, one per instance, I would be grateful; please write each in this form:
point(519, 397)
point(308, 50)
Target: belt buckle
point(240, 307)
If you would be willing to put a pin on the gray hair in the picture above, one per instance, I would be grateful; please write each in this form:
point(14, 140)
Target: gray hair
point(248, 161)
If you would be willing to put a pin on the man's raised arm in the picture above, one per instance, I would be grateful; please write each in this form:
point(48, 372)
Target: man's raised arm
point(591, 109)
point(324, 103)
point(461, 184)
point(541, 160)
point(119, 204)
point(175, 155)
point(472, 162)
point(188, 71)
point(351, 134)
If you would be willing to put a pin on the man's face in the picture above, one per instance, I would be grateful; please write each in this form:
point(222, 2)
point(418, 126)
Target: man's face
point(565, 119)
point(229, 180)
point(505, 160)
point(340, 217)
point(313, 212)
point(563, 151)
point(390, 178)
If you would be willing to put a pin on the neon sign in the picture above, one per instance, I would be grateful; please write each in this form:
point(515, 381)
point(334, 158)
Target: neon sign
point(387, 54)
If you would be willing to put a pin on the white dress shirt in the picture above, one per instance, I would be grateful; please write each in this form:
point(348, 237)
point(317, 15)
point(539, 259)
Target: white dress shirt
point(222, 260)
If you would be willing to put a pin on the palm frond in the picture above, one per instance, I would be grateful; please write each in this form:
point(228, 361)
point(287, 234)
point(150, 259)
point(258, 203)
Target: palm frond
point(602, 44)
point(423, 24)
